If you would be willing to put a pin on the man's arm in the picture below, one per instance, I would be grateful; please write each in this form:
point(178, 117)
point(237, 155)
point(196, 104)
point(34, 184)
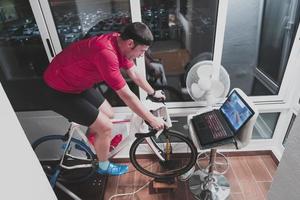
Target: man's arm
point(140, 80)
point(132, 101)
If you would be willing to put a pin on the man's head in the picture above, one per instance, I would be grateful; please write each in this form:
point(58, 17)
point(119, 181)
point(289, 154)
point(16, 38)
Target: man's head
point(136, 39)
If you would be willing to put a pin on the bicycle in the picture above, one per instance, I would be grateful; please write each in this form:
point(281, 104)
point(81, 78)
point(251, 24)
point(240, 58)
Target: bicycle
point(77, 162)
point(171, 154)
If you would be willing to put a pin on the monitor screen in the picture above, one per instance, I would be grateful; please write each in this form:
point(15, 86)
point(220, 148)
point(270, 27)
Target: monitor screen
point(236, 111)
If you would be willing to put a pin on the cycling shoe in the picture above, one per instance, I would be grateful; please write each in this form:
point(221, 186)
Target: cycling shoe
point(114, 170)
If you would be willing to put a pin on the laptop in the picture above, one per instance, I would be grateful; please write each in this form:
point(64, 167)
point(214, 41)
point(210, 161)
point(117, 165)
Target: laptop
point(219, 126)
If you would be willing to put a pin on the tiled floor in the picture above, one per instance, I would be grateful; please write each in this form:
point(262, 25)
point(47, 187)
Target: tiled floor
point(250, 178)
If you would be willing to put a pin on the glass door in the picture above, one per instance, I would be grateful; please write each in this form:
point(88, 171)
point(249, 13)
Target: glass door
point(69, 21)
point(258, 40)
point(77, 20)
point(23, 57)
point(280, 21)
point(184, 33)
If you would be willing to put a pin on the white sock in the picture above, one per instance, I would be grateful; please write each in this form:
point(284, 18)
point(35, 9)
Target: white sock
point(103, 165)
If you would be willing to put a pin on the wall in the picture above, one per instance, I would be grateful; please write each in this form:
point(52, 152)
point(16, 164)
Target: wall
point(286, 181)
point(22, 177)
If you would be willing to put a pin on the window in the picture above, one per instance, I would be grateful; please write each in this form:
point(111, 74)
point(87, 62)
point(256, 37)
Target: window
point(265, 125)
point(181, 38)
point(257, 43)
point(77, 20)
point(183, 7)
point(23, 57)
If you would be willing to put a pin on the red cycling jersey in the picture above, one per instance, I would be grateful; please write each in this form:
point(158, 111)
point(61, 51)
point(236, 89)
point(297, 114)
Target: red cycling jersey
point(86, 62)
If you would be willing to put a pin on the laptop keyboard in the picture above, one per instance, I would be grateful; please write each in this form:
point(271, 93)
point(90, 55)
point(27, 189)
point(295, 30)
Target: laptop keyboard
point(215, 125)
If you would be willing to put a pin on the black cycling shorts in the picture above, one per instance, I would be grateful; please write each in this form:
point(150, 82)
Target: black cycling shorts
point(80, 108)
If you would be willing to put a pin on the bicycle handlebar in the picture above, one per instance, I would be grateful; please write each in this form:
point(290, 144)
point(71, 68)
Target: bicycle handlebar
point(156, 113)
point(155, 99)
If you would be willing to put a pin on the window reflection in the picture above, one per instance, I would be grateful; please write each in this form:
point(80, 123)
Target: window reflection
point(21, 50)
point(76, 20)
point(265, 125)
point(278, 28)
point(258, 39)
point(22, 55)
point(182, 35)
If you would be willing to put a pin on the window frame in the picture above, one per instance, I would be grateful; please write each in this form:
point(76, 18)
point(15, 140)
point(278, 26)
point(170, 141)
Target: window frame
point(283, 102)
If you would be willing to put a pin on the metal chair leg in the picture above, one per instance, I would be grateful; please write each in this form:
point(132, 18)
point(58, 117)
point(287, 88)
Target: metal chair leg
point(205, 185)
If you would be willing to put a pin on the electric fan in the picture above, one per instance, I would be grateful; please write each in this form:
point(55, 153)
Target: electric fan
point(201, 85)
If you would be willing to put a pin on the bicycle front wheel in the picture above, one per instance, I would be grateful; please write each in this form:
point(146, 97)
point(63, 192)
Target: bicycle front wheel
point(50, 150)
point(178, 155)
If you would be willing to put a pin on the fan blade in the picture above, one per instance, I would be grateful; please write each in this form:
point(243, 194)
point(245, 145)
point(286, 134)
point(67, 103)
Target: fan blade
point(196, 91)
point(205, 70)
point(217, 88)
point(204, 83)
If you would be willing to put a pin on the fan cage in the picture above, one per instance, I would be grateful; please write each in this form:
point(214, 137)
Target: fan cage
point(192, 77)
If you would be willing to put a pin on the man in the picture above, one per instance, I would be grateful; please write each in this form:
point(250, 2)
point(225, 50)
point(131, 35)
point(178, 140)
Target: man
point(73, 72)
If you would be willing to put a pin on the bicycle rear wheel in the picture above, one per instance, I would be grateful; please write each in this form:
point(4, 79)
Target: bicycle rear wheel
point(50, 149)
point(179, 153)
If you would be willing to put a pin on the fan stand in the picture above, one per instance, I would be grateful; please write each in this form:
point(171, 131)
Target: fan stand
point(207, 185)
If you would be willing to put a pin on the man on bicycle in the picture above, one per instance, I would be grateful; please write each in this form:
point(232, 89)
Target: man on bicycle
point(71, 75)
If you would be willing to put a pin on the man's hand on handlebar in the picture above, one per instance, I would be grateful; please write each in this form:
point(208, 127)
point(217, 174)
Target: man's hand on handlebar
point(157, 96)
point(158, 123)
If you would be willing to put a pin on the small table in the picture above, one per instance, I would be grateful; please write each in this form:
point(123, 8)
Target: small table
point(204, 184)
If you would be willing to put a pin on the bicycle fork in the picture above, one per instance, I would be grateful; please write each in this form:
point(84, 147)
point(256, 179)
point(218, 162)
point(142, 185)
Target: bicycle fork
point(163, 156)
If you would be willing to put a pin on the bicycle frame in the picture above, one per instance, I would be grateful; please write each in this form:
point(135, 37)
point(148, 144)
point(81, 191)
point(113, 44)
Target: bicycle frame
point(163, 113)
point(154, 148)
point(82, 144)
point(75, 127)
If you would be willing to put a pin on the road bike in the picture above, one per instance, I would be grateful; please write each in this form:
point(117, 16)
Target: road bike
point(169, 153)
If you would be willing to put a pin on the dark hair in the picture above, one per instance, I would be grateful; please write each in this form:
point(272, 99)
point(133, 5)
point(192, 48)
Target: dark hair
point(138, 32)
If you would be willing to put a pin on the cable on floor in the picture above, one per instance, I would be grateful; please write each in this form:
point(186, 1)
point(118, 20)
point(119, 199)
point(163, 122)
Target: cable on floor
point(131, 193)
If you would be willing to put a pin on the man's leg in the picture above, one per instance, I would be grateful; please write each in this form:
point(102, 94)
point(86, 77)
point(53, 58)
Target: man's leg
point(95, 97)
point(103, 128)
point(106, 108)
point(83, 109)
